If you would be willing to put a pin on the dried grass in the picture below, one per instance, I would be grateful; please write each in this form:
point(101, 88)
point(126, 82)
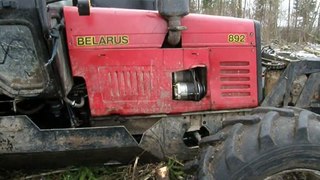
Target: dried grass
point(134, 171)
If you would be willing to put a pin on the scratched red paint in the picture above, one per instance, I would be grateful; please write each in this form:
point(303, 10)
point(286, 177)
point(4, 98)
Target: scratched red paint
point(135, 78)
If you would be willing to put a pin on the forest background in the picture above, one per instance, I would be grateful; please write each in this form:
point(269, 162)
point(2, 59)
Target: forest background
point(282, 21)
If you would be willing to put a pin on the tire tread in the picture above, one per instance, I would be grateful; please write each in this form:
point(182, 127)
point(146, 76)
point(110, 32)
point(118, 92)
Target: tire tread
point(265, 135)
point(248, 138)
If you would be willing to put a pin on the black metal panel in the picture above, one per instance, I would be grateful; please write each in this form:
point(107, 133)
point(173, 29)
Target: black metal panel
point(257, 27)
point(63, 65)
point(310, 93)
point(128, 4)
point(24, 145)
point(25, 49)
point(165, 139)
point(280, 94)
point(19, 65)
point(172, 8)
point(57, 159)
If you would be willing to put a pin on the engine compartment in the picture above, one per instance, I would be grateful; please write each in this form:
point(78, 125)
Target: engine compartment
point(90, 67)
point(129, 70)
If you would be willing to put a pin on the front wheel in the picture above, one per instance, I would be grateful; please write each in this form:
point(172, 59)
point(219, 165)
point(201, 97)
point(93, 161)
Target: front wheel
point(261, 145)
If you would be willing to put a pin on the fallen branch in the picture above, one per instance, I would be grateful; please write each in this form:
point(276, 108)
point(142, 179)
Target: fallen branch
point(50, 173)
point(135, 167)
point(313, 51)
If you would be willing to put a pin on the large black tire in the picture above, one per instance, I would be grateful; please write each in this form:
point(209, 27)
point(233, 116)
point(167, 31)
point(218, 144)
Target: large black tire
point(271, 140)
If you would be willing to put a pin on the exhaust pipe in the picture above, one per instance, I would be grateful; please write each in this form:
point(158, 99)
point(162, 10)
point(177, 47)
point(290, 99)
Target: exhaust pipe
point(173, 11)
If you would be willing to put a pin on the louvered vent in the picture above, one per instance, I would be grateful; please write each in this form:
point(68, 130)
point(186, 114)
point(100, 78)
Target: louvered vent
point(235, 79)
point(134, 83)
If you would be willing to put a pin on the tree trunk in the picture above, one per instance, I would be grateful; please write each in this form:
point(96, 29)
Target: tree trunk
point(220, 11)
point(239, 8)
point(296, 15)
point(288, 26)
point(318, 27)
point(318, 21)
point(244, 9)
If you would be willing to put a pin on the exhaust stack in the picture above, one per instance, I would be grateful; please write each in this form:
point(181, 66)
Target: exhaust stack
point(173, 11)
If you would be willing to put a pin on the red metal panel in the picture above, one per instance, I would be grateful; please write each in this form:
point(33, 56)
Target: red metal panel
point(136, 78)
point(144, 28)
point(211, 31)
point(233, 78)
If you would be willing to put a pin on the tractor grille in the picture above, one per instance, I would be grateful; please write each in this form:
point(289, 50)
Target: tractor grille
point(235, 78)
point(124, 82)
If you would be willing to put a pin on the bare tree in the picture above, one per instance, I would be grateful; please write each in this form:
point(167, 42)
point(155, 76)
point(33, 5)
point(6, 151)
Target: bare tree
point(305, 13)
point(267, 12)
point(289, 20)
point(193, 6)
point(318, 21)
point(211, 7)
point(260, 10)
point(244, 9)
point(221, 8)
point(318, 28)
point(239, 8)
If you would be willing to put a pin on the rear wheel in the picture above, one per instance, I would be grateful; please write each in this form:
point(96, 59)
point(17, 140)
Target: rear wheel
point(261, 145)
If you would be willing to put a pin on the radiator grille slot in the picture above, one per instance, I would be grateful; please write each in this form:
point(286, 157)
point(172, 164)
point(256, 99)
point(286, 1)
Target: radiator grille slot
point(235, 86)
point(234, 63)
point(233, 94)
point(228, 78)
point(234, 71)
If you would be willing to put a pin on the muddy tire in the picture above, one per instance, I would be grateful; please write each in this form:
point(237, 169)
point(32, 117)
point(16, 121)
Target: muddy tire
point(269, 141)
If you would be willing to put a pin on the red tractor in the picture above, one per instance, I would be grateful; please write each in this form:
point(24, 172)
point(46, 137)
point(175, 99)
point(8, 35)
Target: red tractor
point(103, 82)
